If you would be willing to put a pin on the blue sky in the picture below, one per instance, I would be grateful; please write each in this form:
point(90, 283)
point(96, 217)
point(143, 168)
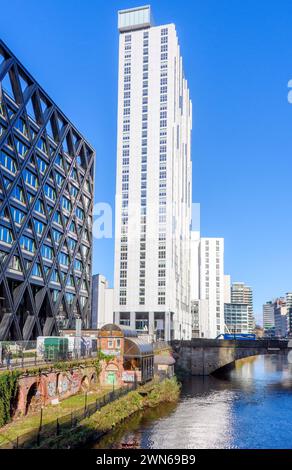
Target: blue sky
point(238, 60)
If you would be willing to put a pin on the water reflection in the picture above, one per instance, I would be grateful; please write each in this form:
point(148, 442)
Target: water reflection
point(250, 407)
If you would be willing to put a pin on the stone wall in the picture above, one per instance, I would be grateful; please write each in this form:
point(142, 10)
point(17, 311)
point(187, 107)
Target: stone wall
point(38, 390)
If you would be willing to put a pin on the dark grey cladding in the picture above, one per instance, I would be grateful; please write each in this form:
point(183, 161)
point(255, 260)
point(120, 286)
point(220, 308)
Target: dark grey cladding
point(46, 202)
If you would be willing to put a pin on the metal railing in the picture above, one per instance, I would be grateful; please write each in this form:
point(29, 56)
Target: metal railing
point(64, 423)
point(22, 360)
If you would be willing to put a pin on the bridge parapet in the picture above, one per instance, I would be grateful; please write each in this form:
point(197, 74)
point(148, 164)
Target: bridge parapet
point(222, 343)
point(201, 356)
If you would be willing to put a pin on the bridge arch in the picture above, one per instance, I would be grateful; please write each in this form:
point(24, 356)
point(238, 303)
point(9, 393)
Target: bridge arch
point(31, 397)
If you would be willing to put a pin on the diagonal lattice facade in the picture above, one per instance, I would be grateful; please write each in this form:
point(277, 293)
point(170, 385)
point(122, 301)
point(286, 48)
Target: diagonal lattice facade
point(46, 203)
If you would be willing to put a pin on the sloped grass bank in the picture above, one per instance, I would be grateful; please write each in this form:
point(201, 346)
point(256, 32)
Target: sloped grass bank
point(103, 421)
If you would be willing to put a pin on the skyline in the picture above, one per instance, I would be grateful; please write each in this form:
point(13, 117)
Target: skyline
point(216, 41)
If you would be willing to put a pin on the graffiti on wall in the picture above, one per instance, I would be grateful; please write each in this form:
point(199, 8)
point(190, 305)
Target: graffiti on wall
point(52, 389)
point(63, 385)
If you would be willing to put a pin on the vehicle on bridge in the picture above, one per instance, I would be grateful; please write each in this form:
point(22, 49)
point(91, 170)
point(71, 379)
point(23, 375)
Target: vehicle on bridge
point(237, 336)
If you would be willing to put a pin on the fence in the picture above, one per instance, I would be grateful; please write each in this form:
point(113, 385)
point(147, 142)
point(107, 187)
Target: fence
point(66, 422)
point(25, 359)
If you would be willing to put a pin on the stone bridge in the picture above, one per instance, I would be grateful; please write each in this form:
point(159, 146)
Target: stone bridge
point(206, 356)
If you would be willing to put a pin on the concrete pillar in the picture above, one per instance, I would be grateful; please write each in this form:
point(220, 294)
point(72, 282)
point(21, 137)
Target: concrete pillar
point(117, 318)
point(133, 320)
point(167, 326)
point(151, 325)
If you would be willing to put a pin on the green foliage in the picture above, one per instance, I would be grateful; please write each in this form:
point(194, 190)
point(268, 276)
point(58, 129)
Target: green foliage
point(65, 366)
point(105, 357)
point(97, 366)
point(166, 391)
point(8, 391)
point(113, 414)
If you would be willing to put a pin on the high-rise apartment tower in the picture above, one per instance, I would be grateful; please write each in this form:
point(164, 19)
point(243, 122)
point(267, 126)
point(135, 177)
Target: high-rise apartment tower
point(154, 180)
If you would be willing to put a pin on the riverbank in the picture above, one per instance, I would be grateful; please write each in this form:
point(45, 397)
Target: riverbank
point(218, 413)
point(113, 414)
point(23, 425)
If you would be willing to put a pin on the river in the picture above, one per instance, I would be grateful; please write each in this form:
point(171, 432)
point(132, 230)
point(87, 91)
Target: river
point(249, 407)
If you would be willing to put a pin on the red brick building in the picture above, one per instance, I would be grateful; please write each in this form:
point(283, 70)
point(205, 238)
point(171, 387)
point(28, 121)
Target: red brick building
point(132, 358)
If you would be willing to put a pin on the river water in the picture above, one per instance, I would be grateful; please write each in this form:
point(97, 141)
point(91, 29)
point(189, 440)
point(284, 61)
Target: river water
point(250, 407)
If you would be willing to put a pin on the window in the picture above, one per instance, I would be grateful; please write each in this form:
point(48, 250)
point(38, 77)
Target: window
point(41, 145)
point(79, 213)
point(50, 192)
point(72, 244)
point(70, 298)
point(17, 215)
point(7, 162)
point(63, 259)
point(59, 161)
point(74, 174)
point(36, 271)
point(15, 264)
point(66, 204)
point(21, 127)
point(60, 179)
point(57, 235)
point(42, 165)
point(57, 218)
point(30, 179)
point(47, 252)
point(39, 227)
point(77, 265)
point(21, 148)
point(6, 235)
point(27, 244)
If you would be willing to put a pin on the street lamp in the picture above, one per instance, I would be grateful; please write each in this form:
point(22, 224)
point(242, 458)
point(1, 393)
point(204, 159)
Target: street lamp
point(77, 318)
point(85, 403)
point(2, 310)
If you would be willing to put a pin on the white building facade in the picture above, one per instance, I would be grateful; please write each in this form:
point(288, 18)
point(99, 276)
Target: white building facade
point(243, 294)
point(212, 284)
point(227, 288)
point(154, 181)
point(102, 302)
point(237, 318)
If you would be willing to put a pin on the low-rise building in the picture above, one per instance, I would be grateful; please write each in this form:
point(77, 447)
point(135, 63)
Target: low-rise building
point(131, 357)
point(237, 318)
point(243, 294)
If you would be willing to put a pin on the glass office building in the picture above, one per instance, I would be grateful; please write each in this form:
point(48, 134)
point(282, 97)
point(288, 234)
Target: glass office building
point(46, 199)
